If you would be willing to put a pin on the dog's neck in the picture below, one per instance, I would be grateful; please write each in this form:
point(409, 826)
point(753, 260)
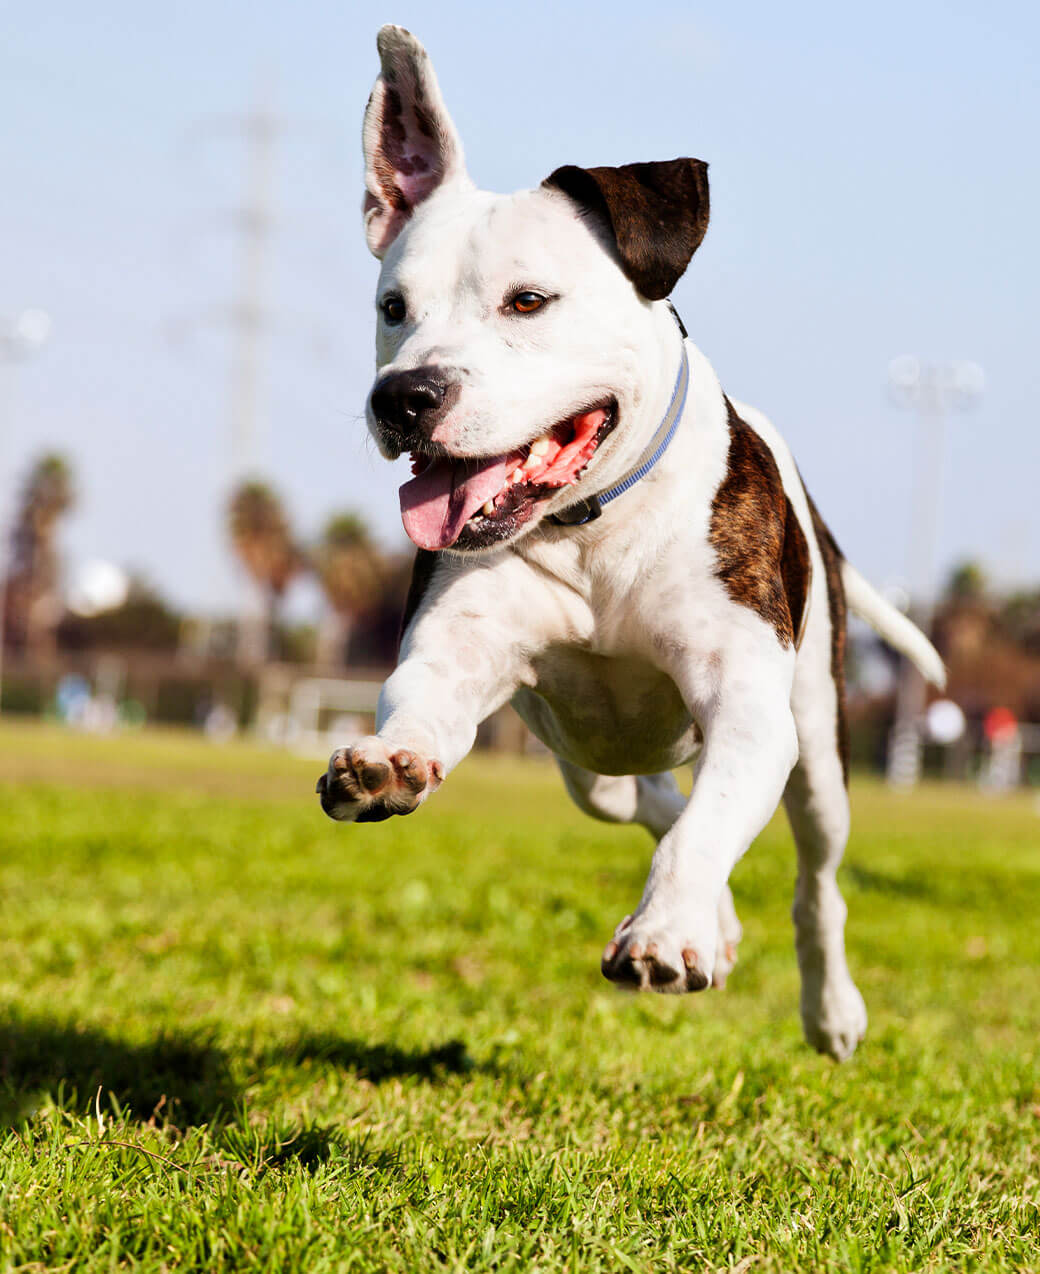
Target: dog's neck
point(590, 507)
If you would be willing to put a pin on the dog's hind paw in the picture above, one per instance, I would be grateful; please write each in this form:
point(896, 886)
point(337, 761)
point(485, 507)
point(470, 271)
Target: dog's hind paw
point(834, 1018)
point(372, 781)
point(652, 957)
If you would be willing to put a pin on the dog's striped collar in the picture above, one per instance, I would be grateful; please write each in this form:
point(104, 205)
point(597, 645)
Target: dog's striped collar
point(589, 509)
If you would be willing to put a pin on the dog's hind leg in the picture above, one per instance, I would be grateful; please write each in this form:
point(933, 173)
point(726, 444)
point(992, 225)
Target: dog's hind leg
point(655, 802)
point(833, 1014)
point(652, 800)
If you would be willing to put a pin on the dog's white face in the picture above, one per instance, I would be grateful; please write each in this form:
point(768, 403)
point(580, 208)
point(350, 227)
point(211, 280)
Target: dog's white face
point(536, 337)
point(511, 344)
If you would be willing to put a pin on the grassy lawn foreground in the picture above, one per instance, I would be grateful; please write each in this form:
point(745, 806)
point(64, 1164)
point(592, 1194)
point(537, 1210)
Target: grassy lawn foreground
point(235, 1035)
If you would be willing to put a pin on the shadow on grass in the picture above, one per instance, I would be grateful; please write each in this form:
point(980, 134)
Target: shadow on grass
point(377, 1062)
point(178, 1078)
point(183, 1079)
point(877, 882)
point(271, 1147)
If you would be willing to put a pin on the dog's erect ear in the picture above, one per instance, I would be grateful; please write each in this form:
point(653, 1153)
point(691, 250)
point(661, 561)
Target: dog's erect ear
point(410, 144)
point(657, 214)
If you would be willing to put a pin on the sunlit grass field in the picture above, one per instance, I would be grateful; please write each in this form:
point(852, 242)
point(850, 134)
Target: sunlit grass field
point(234, 1035)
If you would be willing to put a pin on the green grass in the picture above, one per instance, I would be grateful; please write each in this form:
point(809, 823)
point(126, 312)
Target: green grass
point(233, 1034)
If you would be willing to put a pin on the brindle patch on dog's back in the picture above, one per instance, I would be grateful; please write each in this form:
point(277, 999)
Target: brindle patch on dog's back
point(832, 559)
point(761, 550)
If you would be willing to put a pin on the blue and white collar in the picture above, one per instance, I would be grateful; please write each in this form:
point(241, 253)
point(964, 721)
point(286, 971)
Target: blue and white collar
point(589, 509)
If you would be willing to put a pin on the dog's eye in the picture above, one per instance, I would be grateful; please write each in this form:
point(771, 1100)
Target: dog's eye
point(527, 302)
point(393, 309)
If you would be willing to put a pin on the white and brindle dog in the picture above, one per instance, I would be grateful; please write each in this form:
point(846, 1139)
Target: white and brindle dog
point(605, 540)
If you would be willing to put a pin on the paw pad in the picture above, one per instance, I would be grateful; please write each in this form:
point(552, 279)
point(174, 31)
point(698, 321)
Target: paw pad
point(367, 783)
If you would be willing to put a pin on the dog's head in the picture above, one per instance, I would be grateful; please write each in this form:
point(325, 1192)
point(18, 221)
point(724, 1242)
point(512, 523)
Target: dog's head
point(518, 336)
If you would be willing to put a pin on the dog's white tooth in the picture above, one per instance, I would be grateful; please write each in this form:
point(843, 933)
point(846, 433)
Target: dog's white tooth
point(518, 474)
point(540, 447)
point(488, 508)
point(532, 461)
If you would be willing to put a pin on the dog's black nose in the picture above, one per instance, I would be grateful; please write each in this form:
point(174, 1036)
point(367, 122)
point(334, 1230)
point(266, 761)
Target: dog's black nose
point(405, 401)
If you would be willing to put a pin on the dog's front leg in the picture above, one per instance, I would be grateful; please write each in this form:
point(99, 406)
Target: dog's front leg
point(463, 656)
point(750, 747)
point(392, 771)
point(427, 719)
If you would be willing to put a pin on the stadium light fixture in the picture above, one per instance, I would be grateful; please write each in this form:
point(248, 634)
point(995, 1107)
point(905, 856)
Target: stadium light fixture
point(933, 390)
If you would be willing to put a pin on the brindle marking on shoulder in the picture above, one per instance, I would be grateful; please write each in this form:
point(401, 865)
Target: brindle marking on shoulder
point(832, 560)
point(796, 571)
point(423, 569)
point(761, 550)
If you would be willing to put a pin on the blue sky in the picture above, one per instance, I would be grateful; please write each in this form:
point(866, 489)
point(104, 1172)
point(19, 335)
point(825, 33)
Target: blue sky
point(874, 192)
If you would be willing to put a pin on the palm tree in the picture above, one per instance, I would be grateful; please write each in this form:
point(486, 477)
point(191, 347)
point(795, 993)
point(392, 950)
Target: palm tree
point(967, 581)
point(263, 542)
point(33, 606)
point(351, 571)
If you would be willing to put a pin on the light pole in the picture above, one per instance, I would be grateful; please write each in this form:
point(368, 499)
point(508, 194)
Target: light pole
point(932, 390)
point(20, 339)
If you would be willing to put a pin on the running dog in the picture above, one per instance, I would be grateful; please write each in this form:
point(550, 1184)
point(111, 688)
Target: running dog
point(605, 540)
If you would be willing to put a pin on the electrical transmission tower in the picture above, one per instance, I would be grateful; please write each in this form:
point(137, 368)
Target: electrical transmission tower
point(248, 313)
point(248, 317)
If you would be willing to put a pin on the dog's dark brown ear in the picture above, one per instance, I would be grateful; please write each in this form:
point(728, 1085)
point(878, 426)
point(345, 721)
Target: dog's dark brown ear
point(410, 144)
point(657, 214)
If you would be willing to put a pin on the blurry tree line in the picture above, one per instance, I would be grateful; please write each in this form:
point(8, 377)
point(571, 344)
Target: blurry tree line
point(363, 586)
point(990, 640)
point(989, 637)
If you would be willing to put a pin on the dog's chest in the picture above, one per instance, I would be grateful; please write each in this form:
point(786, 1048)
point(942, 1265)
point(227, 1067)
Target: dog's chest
point(612, 714)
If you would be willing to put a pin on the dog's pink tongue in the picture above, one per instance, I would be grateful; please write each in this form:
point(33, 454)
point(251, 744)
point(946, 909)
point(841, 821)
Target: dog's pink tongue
point(436, 505)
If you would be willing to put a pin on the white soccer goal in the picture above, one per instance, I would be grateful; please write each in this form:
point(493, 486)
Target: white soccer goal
point(324, 712)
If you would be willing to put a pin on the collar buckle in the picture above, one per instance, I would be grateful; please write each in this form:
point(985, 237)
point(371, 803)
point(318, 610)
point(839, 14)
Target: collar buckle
point(579, 514)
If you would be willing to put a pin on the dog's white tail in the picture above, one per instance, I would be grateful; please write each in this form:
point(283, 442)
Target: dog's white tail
point(892, 625)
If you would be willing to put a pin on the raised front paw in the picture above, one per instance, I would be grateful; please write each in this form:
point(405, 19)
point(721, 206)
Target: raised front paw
point(655, 953)
point(372, 780)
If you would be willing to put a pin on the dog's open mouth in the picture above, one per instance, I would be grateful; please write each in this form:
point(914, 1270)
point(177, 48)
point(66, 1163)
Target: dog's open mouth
point(471, 503)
